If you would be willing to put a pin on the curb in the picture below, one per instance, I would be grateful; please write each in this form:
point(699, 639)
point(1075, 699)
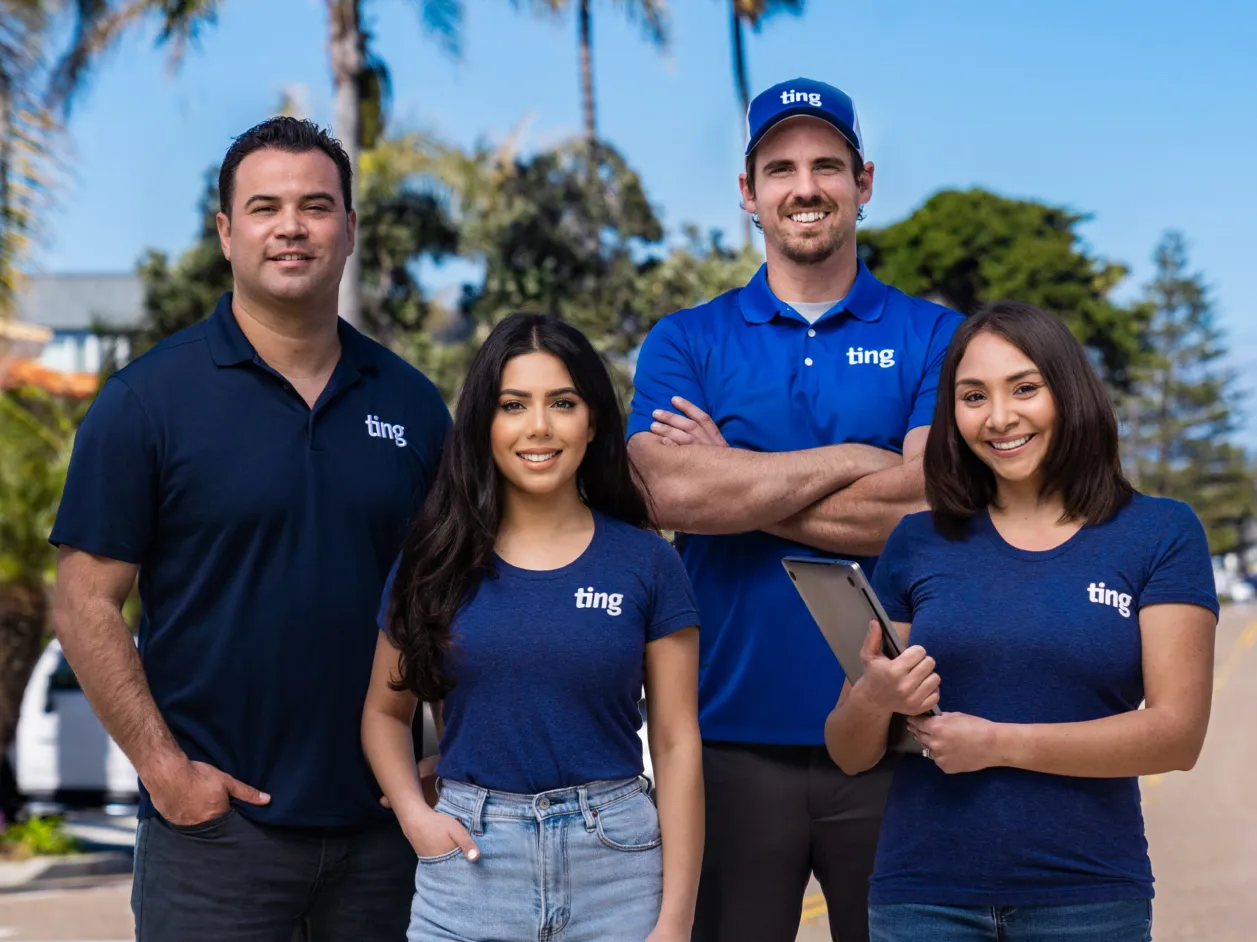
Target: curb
point(40, 871)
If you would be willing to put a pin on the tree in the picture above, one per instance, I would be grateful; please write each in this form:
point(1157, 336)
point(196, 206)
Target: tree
point(1185, 405)
point(653, 16)
point(36, 431)
point(753, 13)
point(967, 248)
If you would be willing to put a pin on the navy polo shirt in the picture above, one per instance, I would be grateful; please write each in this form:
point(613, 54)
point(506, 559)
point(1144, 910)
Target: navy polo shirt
point(865, 372)
point(264, 531)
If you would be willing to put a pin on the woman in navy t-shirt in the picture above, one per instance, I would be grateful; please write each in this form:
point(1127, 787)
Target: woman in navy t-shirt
point(1044, 600)
point(534, 598)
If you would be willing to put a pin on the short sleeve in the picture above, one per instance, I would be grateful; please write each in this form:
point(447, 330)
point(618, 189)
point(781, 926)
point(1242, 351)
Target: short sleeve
point(892, 578)
point(927, 392)
point(672, 597)
point(664, 369)
point(109, 504)
point(381, 617)
point(1181, 570)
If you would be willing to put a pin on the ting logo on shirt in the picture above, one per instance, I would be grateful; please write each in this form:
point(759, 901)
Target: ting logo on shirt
point(858, 356)
point(1096, 592)
point(395, 433)
point(610, 602)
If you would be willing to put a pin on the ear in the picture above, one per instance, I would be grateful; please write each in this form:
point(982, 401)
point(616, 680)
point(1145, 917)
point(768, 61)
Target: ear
point(748, 195)
point(866, 183)
point(224, 234)
point(351, 221)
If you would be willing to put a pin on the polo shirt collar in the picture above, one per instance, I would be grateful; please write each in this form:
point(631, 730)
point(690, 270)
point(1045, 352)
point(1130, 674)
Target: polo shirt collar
point(230, 347)
point(864, 301)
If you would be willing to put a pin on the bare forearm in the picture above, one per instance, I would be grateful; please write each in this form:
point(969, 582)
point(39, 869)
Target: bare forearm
point(98, 646)
point(388, 742)
point(855, 732)
point(1141, 742)
point(679, 793)
point(709, 489)
point(858, 519)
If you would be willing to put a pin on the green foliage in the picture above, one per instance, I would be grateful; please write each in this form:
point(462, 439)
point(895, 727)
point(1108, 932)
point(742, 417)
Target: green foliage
point(1185, 405)
point(38, 837)
point(966, 248)
point(36, 433)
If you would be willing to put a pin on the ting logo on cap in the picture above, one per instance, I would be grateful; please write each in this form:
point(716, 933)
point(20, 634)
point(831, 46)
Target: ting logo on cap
point(790, 96)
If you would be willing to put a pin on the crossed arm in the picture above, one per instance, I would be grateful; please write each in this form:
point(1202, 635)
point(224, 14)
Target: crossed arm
point(840, 498)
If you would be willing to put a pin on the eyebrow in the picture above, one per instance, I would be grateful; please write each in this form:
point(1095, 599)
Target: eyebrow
point(1011, 379)
point(550, 394)
point(306, 198)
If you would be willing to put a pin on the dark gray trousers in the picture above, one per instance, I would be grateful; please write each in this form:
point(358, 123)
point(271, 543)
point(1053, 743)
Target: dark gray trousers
point(230, 880)
point(775, 816)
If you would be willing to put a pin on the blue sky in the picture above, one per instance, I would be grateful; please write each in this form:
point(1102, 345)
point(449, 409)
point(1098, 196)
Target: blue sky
point(1140, 112)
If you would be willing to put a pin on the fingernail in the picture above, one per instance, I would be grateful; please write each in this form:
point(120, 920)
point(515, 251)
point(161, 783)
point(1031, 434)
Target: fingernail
point(657, 412)
point(473, 854)
point(655, 426)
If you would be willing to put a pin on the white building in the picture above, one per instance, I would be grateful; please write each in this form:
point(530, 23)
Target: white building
point(86, 314)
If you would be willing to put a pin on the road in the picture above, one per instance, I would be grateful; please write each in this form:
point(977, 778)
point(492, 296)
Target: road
point(1202, 832)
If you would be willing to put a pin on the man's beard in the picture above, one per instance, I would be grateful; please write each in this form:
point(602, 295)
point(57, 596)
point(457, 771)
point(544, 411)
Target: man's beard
point(812, 249)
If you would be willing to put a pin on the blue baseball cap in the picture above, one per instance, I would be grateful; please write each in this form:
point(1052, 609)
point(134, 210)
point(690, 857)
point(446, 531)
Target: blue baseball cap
point(802, 97)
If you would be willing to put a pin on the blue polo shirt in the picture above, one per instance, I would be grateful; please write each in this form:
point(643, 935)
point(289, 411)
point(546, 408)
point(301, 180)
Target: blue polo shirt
point(263, 530)
point(865, 372)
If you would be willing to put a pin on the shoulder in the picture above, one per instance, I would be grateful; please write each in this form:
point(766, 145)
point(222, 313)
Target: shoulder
point(1163, 516)
point(401, 375)
point(700, 318)
point(171, 359)
point(916, 528)
point(926, 318)
point(620, 535)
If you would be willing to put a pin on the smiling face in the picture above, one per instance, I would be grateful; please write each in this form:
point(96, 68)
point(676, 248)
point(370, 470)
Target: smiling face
point(1004, 410)
point(288, 234)
point(541, 427)
point(806, 194)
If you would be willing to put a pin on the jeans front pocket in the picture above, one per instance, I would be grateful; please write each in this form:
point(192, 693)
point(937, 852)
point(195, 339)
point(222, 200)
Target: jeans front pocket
point(204, 828)
point(629, 824)
point(462, 818)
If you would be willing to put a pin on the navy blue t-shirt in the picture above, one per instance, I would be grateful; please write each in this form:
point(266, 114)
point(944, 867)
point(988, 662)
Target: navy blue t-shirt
point(263, 531)
point(1022, 636)
point(549, 664)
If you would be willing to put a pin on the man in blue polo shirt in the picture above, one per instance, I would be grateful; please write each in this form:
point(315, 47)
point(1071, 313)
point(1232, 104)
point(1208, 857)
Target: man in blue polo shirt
point(786, 417)
point(259, 469)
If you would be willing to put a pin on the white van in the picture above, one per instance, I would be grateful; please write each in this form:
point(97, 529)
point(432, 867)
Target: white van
point(61, 752)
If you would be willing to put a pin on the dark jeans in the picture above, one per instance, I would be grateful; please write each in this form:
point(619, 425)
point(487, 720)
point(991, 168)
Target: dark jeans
point(1118, 921)
point(775, 816)
point(230, 880)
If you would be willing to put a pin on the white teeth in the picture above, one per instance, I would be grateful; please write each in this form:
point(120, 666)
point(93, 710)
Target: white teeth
point(537, 459)
point(808, 217)
point(1009, 446)
point(291, 258)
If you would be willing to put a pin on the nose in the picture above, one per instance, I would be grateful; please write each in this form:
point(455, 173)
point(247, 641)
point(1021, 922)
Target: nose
point(539, 423)
point(289, 224)
point(1003, 414)
point(805, 186)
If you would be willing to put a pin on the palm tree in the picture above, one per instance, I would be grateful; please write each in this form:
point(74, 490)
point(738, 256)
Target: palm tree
point(653, 16)
point(752, 12)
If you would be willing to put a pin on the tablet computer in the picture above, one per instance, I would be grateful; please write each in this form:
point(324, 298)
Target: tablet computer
point(842, 603)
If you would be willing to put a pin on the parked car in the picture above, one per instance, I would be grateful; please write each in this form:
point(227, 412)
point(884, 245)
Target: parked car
point(61, 753)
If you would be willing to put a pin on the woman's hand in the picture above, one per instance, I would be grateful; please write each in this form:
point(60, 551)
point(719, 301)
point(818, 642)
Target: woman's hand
point(668, 933)
point(906, 684)
point(957, 742)
point(432, 834)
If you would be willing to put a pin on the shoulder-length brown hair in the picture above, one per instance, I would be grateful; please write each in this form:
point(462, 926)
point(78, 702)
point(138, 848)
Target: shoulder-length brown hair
point(1082, 464)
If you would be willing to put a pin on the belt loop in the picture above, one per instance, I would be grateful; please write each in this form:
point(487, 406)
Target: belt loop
point(583, 794)
point(477, 821)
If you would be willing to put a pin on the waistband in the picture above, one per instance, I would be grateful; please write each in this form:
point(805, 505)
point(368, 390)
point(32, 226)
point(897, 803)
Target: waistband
point(479, 803)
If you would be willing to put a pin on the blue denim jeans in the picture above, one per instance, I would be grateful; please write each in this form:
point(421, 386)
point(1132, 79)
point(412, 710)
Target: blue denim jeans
point(579, 864)
point(1118, 921)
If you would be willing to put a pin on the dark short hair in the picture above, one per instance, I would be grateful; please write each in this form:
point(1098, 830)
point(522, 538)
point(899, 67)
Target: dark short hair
point(291, 135)
point(1082, 466)
point(857, 173)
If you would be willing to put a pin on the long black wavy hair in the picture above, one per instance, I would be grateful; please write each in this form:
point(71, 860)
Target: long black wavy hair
point(449, 549)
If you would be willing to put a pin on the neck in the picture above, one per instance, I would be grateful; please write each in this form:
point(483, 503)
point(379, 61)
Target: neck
point(1022, 500)
point(294, 340)
point(828, 280)
point(542, 515)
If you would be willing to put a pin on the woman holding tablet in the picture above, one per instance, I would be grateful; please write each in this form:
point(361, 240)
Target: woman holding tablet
point(533, 597)
point(1043, 599)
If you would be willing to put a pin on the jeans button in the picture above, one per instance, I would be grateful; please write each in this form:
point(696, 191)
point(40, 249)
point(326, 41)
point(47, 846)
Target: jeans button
point(544, 804)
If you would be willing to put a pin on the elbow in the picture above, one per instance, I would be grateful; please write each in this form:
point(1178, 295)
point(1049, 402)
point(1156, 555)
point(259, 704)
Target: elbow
point(850, 764)
point(1188, 754)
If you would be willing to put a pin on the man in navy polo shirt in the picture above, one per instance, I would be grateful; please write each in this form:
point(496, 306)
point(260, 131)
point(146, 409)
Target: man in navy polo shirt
point(259, 469)
point(786, 418)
